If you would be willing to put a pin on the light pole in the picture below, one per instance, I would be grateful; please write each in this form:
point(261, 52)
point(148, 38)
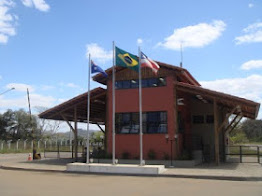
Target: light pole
point(171, 146)
point(7, 90)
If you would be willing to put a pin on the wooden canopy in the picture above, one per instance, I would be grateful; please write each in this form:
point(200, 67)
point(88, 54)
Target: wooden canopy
point(66, 110)
point(249, 108)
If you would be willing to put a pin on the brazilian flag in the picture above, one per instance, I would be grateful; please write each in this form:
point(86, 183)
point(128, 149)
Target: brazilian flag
point(125, 59)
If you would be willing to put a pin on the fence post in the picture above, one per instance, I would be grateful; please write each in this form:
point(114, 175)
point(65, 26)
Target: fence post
point(9, 144)
point(240, 153)
point(258, 155)
point(2, 145)
point(58, 153)
point(25, 144)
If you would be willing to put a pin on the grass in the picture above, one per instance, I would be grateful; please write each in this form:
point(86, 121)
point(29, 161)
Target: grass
point(245, 150)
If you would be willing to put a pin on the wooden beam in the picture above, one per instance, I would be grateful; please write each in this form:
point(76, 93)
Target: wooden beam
point(67, 122)
point(100, 127)
point(216, 133)
point(78, 103)
point(227, 116)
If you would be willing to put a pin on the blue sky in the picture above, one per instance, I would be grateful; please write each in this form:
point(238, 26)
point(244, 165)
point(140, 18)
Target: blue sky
point(44, 44)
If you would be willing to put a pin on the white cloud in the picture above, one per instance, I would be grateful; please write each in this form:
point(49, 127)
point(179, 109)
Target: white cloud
point(38, 4)
point(98, 53)
point(20, 87)
point(7, 20)
point(249, 87)
point(252, 64)
point(253, 34)
point(139, 41)
point(47, 87)
point(250, 5)
point(21, 102)
point(72, 85)
point(194, 36)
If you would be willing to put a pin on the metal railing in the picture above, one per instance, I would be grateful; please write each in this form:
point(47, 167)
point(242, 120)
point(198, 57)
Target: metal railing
point(250, 153)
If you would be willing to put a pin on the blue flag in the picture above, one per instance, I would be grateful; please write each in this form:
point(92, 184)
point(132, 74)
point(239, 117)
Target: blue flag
point(95, 68)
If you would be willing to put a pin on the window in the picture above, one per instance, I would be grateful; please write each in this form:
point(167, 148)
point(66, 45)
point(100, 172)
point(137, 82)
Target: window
point(210, 119)
point(198, 119)
point(134, 83)
point(149, 82)
point(153, 122)
point(126, 84)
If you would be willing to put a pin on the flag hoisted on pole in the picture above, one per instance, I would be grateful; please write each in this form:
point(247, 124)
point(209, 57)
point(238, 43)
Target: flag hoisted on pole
point(140, 109)
point(93, 68)
point(88, 110)
point(113, 109)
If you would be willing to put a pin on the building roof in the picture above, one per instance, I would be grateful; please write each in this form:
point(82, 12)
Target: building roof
point(249, 108)
point(98, 104)
point(182, 73)
point(97, 110)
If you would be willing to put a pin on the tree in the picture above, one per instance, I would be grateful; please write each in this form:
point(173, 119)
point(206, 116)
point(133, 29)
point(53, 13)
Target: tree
point(253, 129)
point(17, 125)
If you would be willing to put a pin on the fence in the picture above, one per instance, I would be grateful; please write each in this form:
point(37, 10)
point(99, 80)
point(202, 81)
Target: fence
point(27, 145)
point(243, 154)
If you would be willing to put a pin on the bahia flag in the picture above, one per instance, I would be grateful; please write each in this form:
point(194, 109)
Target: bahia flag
point(125, 59)
point(147, 62)
point(95, 68)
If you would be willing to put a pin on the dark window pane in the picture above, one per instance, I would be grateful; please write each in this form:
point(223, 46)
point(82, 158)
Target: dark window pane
point(119, 84)
point(152, 82)
point(161, 81)
point(126, 83)
point(134, 128)
point(153, 117)
point(144, 83)
point(210, 119)
point(162, 128)
point(144, 117)
point(126, 117)
point(125, 129)
point(163, 116)
point(152, 127)
point(134, 83)
point(198, 119)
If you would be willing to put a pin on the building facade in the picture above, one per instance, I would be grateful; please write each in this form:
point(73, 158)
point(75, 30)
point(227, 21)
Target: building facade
point(179, 116)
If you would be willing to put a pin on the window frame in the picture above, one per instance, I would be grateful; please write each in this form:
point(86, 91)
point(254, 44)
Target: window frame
point(160, 124)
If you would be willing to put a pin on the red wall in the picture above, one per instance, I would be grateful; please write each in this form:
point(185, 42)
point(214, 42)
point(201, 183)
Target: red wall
point(153, 99)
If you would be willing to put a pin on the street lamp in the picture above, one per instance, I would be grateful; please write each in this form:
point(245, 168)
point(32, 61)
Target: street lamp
point(7, 90)
point(171, 146)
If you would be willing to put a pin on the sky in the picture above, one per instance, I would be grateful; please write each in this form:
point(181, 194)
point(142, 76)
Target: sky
point(44, 44)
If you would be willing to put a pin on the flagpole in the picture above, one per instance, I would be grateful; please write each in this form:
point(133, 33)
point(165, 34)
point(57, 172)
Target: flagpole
point(140, 109)
point(113, 109)
point(88, 110)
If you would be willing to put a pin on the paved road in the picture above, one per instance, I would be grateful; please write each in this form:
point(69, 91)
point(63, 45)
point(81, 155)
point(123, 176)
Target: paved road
point(25, 183)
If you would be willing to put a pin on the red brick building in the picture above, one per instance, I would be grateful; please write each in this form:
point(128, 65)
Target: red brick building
point(173, 103)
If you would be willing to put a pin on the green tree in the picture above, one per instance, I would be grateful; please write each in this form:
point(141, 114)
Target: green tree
point(17, 125)
point(252, 129)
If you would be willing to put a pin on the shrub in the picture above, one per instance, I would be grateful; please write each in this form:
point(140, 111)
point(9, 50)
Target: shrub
point(125, 155)
point(166, 156)
point(151, 154)
point(186, 155)
point(239, 137)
